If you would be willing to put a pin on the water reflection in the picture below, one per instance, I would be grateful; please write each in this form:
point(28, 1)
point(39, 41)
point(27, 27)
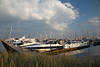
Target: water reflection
point(92, 51)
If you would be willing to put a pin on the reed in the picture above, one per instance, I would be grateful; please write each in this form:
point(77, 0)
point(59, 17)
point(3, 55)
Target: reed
point(44, 60)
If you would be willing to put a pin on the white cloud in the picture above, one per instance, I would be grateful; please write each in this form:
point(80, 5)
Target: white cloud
point(69, 5)
point(54, 13)
point(95, 21)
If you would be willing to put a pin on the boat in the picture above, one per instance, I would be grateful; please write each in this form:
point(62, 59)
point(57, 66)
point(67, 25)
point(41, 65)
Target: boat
point(44, 47)
point(76, 44)
point(23, 41)
point(33, 44)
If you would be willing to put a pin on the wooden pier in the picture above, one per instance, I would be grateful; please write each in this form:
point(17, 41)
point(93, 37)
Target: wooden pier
point(12, 48)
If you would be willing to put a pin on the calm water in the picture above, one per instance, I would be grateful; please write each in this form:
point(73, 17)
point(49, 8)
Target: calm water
point(92, 51)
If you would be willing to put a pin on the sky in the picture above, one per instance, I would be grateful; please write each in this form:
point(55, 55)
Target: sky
point(59, 16)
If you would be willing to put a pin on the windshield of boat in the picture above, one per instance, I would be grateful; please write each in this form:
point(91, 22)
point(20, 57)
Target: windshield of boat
point(27, 42)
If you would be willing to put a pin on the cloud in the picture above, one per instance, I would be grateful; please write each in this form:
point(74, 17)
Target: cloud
point(95, 21)
point(69, 5)
point(54, 13)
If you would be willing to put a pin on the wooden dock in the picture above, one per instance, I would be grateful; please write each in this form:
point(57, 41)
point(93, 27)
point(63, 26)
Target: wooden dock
point(12, 48)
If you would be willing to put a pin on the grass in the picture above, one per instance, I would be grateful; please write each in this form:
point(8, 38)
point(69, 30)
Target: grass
point(44, 60)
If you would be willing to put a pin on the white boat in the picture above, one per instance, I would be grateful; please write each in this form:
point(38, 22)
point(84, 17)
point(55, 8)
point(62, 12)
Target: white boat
point(23, 41)
point(32, 44)
point(75, 44)
point(44, 47)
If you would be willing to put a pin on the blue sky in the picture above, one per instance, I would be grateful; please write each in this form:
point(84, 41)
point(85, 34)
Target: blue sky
point(49, 15)
point(88, 9)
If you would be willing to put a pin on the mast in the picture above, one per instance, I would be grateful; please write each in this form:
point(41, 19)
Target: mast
point(10, 34)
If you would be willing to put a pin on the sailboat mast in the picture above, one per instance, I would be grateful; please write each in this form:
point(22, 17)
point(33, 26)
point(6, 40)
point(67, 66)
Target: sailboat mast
point(10, 34)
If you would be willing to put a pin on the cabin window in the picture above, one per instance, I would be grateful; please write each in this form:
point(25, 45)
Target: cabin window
point(81, 42)
point(69, 42)
point(69, 46)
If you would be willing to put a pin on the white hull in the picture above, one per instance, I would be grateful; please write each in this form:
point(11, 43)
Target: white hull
point(44, 47)
point(75, 45)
